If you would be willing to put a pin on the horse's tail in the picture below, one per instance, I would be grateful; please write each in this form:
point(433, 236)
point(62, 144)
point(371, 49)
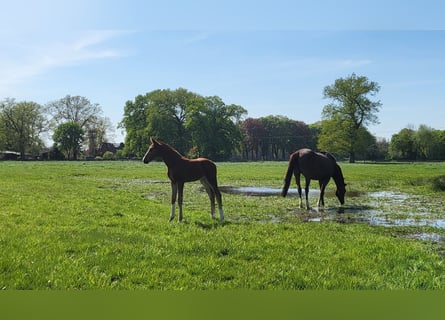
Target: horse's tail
point(293, 161)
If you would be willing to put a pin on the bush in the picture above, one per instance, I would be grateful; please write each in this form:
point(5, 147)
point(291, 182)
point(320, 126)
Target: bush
point(108, 155)
point(439, 183)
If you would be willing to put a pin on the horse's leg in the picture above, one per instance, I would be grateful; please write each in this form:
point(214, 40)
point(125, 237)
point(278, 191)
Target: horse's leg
point(306, 193)
point(323, 184)
point(180, 197)
point(321, 198)
point(211, 194)
point(174, 193)
point(297, 179)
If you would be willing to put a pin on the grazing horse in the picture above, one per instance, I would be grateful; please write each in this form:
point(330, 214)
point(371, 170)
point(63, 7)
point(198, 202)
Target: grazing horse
point(312, 165)
point(181, 170)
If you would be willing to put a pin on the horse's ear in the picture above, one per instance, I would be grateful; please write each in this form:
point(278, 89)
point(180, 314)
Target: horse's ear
point(153, 141)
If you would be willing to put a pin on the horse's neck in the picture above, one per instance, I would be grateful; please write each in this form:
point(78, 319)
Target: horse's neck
point(338, 176)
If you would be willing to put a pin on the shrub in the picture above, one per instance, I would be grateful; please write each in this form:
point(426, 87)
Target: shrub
point(438, 183)
point(108, 155)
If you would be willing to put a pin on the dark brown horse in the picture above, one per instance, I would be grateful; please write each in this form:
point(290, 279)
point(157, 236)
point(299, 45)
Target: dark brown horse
point(312, 165)
point(181, 170)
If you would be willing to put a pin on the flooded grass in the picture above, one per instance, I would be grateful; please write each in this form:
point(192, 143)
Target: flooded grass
point(381, 208)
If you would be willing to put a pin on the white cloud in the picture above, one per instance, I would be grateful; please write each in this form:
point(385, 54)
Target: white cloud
point(23, 62)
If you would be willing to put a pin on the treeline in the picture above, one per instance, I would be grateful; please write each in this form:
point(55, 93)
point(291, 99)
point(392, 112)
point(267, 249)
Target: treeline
point(76, 126)
point(206, 126)
point(425, 143)
point(197, 126)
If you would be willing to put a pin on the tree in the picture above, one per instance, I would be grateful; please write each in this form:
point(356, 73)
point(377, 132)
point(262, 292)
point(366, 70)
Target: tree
point(135, 124)
point(254, 132)
point(183, 119)
point(424, 143)
point(403, 145)
point(167, 113)
point(20, 126)
point(351, 108)
point(283, 136)
point(68, 137)
point(80, 110)
point(159, 113)
point(428, 143)
point(215, 128)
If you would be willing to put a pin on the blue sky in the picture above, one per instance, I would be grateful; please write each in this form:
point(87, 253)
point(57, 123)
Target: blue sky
point(271, 57)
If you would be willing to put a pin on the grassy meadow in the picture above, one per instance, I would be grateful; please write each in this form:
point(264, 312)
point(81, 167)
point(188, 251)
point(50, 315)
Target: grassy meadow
point(104, 225)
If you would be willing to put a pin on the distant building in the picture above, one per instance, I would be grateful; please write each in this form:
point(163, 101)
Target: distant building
point(111, 147)
point(9, 155)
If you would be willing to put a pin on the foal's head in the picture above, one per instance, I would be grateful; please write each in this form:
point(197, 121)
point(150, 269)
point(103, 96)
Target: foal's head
point(154, 151)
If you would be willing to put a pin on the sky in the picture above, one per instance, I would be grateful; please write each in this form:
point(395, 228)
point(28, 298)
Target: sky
point(270, 57)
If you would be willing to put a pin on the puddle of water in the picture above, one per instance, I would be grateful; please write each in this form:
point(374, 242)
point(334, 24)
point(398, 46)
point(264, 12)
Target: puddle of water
point(259, 191)
point(434, 237)
point(369, 215)
point(267, 191)
point(382, 208)
point(394, 196)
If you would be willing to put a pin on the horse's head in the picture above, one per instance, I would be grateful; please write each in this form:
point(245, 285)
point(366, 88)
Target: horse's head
point(340, 193)
point(153, 151)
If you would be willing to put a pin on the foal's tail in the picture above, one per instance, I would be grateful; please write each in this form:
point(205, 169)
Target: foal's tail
point(292, 163)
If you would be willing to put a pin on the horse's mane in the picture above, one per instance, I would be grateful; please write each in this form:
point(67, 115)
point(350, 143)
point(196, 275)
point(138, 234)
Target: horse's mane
point(338, 174)
point(329, 155)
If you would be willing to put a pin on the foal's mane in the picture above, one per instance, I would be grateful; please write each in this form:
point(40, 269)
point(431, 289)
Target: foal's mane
point(169, 147)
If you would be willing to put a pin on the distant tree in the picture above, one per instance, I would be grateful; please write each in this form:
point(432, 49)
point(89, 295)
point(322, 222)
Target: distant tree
point(254, 132)
point(80, 110)
point(136, 127)
point(167, 114)
point(68, 138)
point(274, 137)
point(215, 127)
point(425, 143)
point(428, 143)
point(189, 122)
point(403, 145)
point(333, 138)
point(303, 136)
point(20, 126)
point(351, 108)
point(159, 113)
point(315, 130)
point(380, 151)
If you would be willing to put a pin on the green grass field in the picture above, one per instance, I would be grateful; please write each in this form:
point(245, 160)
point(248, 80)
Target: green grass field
point(104, 225)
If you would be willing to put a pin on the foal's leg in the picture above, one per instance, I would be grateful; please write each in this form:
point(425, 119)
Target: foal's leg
point(180, 197)
point(211, 194)
point(219, 200)
point(174, 193)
